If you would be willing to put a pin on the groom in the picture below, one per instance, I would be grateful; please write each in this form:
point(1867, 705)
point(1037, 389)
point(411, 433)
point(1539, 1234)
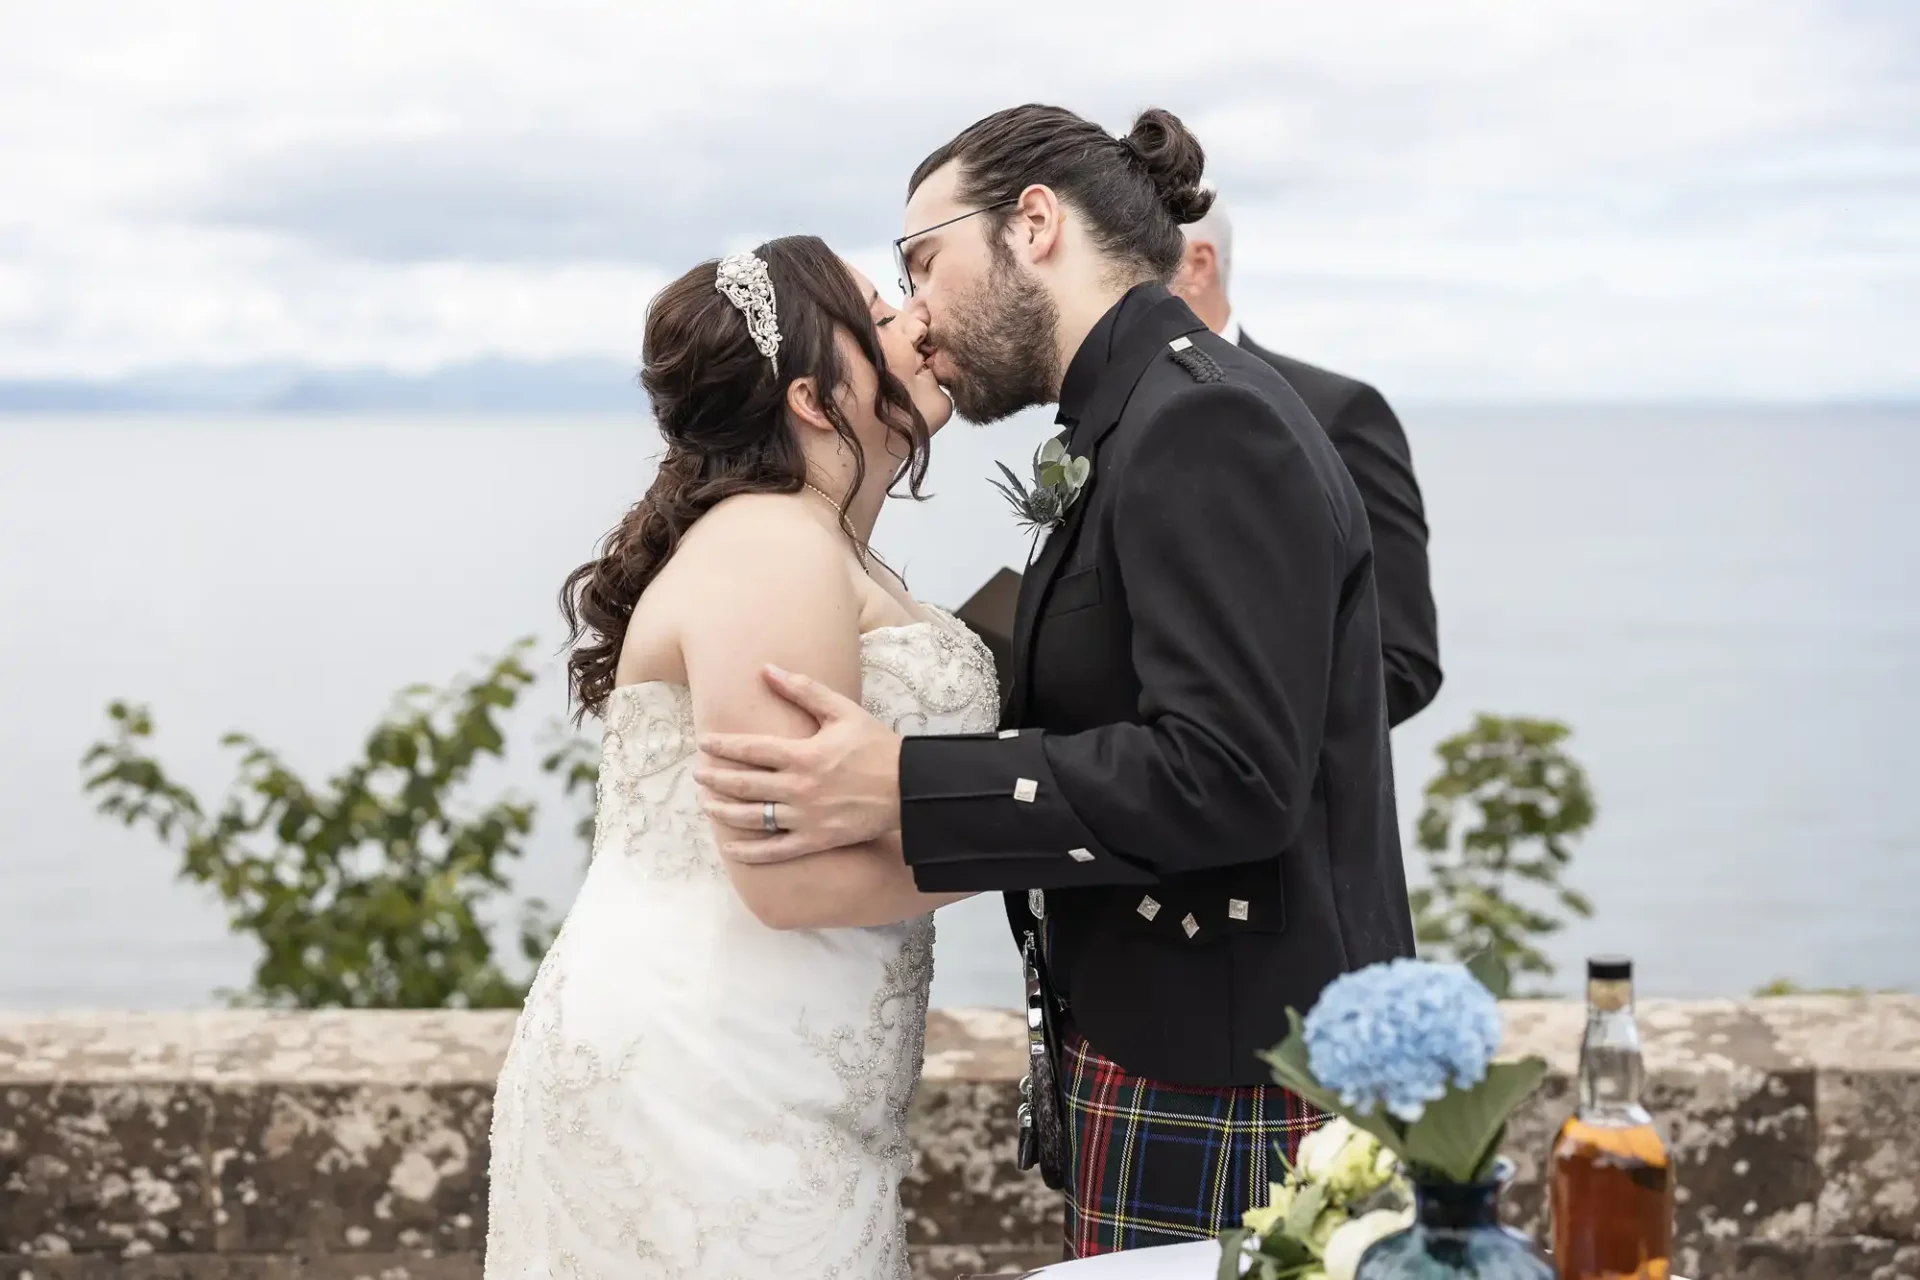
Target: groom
point(1191, 802)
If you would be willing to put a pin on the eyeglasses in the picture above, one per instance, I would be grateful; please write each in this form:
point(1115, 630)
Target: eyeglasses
point(900, 245)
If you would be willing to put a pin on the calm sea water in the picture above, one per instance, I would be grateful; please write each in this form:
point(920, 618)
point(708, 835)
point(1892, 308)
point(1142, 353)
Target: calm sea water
point(1724, 603)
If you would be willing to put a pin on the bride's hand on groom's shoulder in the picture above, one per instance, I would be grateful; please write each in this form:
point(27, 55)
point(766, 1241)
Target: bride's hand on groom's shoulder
point(837, 788)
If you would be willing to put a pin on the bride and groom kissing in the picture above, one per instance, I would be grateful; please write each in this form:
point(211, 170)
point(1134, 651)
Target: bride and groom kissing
point(1186, 796)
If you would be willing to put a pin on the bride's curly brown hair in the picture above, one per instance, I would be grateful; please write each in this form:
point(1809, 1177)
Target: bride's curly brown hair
point(721, 408)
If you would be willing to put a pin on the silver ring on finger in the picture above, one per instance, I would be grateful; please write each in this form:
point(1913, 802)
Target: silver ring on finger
point(769, 821)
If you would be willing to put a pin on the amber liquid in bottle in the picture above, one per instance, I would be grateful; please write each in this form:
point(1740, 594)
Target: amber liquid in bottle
point(1612, 1176)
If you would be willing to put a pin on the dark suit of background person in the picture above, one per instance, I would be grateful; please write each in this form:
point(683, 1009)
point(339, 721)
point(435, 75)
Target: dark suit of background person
point(1369, 439)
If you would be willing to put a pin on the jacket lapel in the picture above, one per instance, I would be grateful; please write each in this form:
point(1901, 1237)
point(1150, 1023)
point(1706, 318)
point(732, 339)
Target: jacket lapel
point(1033, 592)
point(1135, 349)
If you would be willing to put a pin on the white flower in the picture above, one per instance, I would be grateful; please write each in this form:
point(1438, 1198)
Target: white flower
point(1331, 1219)
point(1319, 1149)
point(1350, 1162)
point(1355, 1172)
point(1343, 1252)
point(1267, 1219)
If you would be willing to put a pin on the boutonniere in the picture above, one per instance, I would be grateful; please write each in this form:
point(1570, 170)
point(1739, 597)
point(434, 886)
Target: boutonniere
point(1058, 478)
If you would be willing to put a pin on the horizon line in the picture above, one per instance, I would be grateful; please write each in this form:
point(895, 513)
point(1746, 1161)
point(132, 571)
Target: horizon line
point(1492, 400)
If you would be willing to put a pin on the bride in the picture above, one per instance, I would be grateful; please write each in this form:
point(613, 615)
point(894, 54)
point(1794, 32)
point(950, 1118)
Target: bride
point(712, 1072)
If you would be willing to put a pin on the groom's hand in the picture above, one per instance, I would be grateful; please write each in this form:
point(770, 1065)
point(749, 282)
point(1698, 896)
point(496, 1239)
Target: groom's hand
point(839, 787)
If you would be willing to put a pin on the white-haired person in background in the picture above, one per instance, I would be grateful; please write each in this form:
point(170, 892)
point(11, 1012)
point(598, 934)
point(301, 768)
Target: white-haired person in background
point(1369, 439)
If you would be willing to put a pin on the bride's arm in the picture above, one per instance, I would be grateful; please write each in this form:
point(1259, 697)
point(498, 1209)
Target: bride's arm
point(778, 587)
point(850, 888)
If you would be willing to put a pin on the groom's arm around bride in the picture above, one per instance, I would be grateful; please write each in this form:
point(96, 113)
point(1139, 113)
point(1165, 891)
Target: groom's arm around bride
point(1195, 750)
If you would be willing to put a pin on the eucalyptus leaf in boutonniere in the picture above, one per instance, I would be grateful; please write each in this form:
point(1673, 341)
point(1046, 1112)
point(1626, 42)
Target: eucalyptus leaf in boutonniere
point(1058, 478)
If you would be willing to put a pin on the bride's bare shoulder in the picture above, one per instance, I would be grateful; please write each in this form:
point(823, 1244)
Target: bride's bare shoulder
point(778, 527)
point(752, 557)
point(760, 543)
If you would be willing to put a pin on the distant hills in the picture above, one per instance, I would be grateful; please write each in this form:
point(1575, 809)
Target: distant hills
point(591, 386)
point(472, 387)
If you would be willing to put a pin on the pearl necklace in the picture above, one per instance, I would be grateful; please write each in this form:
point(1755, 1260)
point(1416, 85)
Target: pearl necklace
point(860, 544)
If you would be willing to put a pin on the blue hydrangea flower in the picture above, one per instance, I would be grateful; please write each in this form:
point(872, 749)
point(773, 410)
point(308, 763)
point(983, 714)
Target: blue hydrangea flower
point(1398, 1034)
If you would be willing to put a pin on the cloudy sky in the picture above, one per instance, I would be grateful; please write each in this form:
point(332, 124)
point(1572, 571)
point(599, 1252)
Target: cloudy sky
point(1454, 198)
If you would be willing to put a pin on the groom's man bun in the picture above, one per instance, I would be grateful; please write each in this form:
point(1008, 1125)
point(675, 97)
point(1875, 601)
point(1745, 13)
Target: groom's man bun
point(1135, 192)
point(1174, 160)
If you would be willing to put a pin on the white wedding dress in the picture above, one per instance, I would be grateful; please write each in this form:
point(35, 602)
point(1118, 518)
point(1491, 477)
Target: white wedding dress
point(690, 1093)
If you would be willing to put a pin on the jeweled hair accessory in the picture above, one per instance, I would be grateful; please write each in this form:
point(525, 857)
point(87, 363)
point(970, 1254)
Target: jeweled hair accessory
point(744, 280)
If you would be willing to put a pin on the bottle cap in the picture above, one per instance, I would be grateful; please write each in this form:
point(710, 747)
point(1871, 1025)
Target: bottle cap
point(1609, 969)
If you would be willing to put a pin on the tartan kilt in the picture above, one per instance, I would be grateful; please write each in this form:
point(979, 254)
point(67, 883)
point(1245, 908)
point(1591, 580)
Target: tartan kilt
point(1152, 1163)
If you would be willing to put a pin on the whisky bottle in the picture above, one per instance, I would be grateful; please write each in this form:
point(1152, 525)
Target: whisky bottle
point(1612, 1176)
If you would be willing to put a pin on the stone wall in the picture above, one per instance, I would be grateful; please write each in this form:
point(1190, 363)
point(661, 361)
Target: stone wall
point(252, 1146)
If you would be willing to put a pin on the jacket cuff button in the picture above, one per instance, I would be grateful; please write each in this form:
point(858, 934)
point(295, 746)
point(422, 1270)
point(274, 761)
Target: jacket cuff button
point(1238, 908)
point(1080, 855)
point(1025, 789)
point(1148, 908)
point(1191, 925)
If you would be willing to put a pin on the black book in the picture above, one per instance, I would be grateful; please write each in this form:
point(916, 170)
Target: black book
point(989, 614)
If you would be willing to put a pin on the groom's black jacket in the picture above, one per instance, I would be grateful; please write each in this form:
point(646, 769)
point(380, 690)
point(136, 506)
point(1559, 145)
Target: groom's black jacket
point(1195, 765)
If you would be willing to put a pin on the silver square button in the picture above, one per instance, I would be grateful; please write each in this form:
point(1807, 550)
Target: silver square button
point(1009, 733)
point(1191, 925)
point(1080, 855)
point(1237, 908)
point(1148, 908)
point(1025, 789)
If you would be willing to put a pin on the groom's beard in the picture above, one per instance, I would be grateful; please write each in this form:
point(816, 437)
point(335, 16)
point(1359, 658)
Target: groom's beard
point(999, 343)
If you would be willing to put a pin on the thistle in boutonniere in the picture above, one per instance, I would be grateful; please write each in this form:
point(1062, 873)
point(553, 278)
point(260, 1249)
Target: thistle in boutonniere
point(1402, 1053)
point(1058, 478)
